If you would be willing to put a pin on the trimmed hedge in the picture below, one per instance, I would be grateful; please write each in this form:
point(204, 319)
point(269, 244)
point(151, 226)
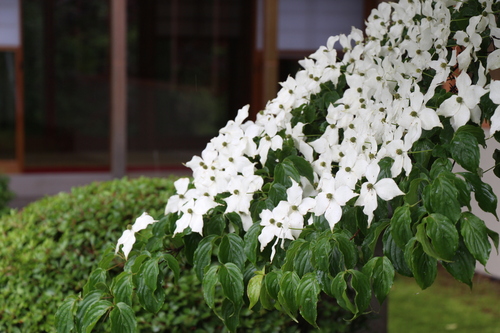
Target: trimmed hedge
point(5, 194)
point(49, 248)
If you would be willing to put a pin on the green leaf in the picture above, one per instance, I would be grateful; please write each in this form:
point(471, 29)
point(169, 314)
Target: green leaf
point(149, 273)
point(99, 275)
point(251, 242)
point(93, 314)
point(122, 288)
point(302, 166)
point(307, 298)
point(123, 319)
point(443, 198)
point(230, 314)
point(372, 238)
point(253, 289)
point(440, 165)
point(284, 172)
point(339, 289)
point(231, 280)
point(151, 300)
point(463, 265)
point(474, 130)
point(496, 157)
point(88, 301)
point(423, 267)
point(215, 226)
point(210, 279)
point(271, 280)
point(475, 235)
point(107, 259)
point(291, 253)
point(423, 151)
point(303, 260)
point(231, 250)
point(464, 149)
point(321, 250)
point(443, 235)
point(485, 197)
point(173, 264)
point(65, 314)
point(203, 256)
point(381, 272)
point(347, 247)
point(395, 255)
point(361, 286)
point(289, 284)
point(277, 193)
point(401, 226)
point(415, 191)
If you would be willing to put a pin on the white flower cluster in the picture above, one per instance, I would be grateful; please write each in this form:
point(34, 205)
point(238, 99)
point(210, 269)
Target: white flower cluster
point(381, 113)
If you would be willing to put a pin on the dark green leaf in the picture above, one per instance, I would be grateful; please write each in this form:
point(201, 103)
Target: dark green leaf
point(123, 319)
point(285, 172)
point(99, 275)
point(474, 130)
point(303, 260)
point(231, 250)
point(210, 279)
point(122, 288)
point(443, 235)
point(475, 235)
point(287, 295)
point(440, 165)
point(395, 255)
point(422, 152)
point(339, 288)
point(348, 249)
point(149, 273)
point(291, 253)
point(381, 271)
point(361, 286)
point(93, 314)
point(251, 242)
point(415, 190)
point(463, 265)
point(307, 298)
point(277, 193)
point(372, 238)
point(485, 197)
point(464, 149)
point(496, 157)
point(88, 302)
point(272, 280)
point(303, 167)
point(423, 267)
point(65, 315)
point(401, 226)
point(203, 256)
point(321, 249)
point(215, 225)
point(231, 280)
point(230, 314)
point(173, 264)
point(443, 198)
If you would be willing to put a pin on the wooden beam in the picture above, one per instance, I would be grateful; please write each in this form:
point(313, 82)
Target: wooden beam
point(270, 52)
point(118, 117)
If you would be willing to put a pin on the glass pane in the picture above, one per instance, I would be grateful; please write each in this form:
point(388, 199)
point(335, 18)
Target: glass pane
point(66, 84)
point(189, 72)
point(7, 105)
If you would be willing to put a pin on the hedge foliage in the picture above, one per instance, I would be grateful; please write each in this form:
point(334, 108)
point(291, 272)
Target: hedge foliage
point(5, 194)
point(49, 248)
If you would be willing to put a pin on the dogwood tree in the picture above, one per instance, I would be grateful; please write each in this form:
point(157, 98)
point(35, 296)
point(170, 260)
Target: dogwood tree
point(358, 147)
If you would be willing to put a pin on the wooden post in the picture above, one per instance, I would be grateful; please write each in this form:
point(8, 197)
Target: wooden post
point(270, 52)
point(118, 117)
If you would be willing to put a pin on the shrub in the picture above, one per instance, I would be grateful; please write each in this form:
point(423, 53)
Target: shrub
point(50, 246)
point(5, 194)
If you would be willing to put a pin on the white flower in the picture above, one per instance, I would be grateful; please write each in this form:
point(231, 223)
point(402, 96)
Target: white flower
point(385, 188)
point(183, 195)
point(127, 238)
point(459, 107)
point(330, 200)
point(192, 214)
